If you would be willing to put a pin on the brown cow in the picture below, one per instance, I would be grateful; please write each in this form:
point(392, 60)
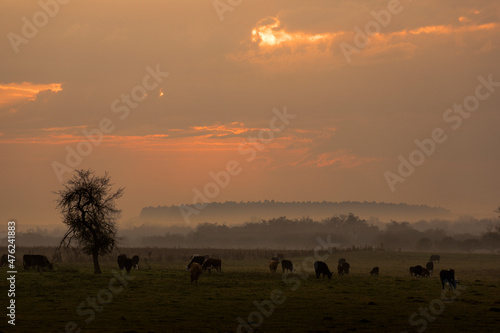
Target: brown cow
point(273, 265)
point(195, 272)
point(210, 263)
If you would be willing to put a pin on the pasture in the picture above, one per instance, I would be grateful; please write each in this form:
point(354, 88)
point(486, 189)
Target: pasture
point(162, 299)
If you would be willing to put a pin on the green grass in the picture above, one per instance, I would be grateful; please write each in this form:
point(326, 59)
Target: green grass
point(163, 299)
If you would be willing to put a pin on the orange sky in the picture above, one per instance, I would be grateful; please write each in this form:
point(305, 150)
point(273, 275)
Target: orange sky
point(101, 68)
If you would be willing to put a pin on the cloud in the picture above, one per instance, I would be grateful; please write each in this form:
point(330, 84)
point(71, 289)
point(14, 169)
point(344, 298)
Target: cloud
point(14, 94)
point(340, 158)
point(271, 45)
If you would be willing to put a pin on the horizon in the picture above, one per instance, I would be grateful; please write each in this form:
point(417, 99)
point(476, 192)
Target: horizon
point(185, 102)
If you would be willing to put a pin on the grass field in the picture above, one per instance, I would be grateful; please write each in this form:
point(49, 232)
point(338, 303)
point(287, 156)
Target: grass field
point(162, 299)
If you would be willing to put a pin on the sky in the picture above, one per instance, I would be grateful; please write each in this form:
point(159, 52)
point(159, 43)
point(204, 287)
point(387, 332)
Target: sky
point(286, 100)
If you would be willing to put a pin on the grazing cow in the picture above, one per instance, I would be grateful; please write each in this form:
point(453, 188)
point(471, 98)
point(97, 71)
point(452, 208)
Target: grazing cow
point(412, 270)
point(121, 261)
point(342, 261)
point(286, 265)
point(435, 257)
point(197, 259)
point(430, 267)
point(4, 260)
point(32, 260)
point(418, 270)
point(321, 268)
point(195, 272)
point(135, 261)
point(344, 268)
point(273, 265)
point(374, 271)
point(448, 276)
point(127, 263)
point(425, 272)
point(210, 263)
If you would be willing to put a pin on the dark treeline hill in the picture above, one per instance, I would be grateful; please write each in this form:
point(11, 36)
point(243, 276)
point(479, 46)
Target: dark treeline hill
point(231, 212)
point(345, 231)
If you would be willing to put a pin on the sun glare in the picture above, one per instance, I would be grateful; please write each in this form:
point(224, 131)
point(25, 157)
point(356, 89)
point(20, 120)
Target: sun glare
point(271, 34)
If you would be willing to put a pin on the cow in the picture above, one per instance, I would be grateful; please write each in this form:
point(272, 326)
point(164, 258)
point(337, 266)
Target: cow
point(135, 261)
point(430, 267)
point(344, 268)
point(127, 263)
point(4, 260)
point(286, 265)
point(197, 259)
point(275, 259)
point(448, 276)
point(374, 271)
point(417, 270)
point(280, 256)
point(341, 261)
point(210, 263)
point(321, 268)
point(121, 261)
point(32, 260)
point(195, 271)
point(412, 270)
point(435, 257)
point(273, 265)
point(425, 272)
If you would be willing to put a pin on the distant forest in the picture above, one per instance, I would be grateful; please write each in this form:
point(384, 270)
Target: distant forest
point(231, 212)
point(347, 231)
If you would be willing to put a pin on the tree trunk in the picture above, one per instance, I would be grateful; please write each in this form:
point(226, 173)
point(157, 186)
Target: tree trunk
point(95, 258)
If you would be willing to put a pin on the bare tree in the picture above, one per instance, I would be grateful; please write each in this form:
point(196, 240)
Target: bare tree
point(87, 204)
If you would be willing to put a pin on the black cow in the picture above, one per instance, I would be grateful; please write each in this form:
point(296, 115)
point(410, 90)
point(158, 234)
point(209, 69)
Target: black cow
point(322, 269)
point(425, 272)
point(197, 259)
point(435, 257)
point(430, 267)
point(412, 270)
point(135, 261)
point(127, 263)
point(448, 276)
point(417, 270)
point(4, 260)
point(342, 261)
point(286, 265)
point(374, 271)
point(280, 256)
point(275, 259)
point(344, 268)
point(210, 263)
point(32, 260)
point(121, 261)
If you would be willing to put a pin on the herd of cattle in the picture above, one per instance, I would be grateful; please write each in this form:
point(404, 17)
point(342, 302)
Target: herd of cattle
point(199, 264)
